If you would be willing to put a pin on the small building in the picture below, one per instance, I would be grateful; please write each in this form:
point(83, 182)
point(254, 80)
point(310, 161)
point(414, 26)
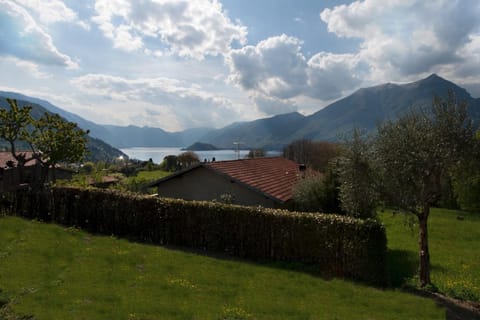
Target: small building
point(10, 175)
point(266, 182)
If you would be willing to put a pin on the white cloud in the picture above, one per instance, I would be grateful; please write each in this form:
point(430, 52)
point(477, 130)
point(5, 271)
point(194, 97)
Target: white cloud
point(21, 37)
point(274, 67)
point(277, 69)
point(30, 67)
point(331, 75)
point(270, 106)
point(51, 11)
point(188, 28)
point(405, 39)
point(187, 105)
point(400, 40)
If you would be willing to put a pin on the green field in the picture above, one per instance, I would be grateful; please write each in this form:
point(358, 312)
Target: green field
point(454, 251)
point(53, 272)
point(136, 183)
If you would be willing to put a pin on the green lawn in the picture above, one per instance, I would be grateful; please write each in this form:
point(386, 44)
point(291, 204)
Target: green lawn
point(454, 251)
point(63, 273)
point(135, 183)
point(152, 175)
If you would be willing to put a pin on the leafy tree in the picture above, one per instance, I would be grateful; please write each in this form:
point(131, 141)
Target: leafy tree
point(169, 163)
point(255, 153)
point(318, 193)
point(14, 125)
point(466, 179)
point(314, 154)
point(413, 154)
point(358, 196)
point(51, 138)
point(187, 159)
point(56, 140)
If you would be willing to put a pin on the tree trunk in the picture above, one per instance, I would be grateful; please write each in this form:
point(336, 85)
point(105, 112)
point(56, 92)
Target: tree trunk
point(424, 254)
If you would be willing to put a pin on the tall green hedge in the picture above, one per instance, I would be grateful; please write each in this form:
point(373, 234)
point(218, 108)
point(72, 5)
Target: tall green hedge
point(336, 245)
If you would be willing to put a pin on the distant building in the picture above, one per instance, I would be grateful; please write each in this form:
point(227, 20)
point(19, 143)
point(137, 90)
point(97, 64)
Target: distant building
point(266, 182)
point(10, 174)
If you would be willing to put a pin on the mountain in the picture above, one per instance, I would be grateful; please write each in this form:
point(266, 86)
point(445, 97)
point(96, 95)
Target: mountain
point(133, 136)
point(198, 146)
point(120, 136)
point(364, 109)
point(270, 133)
point(98, 149)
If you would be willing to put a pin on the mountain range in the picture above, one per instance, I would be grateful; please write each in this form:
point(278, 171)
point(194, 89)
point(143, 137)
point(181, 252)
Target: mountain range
point(364, 109)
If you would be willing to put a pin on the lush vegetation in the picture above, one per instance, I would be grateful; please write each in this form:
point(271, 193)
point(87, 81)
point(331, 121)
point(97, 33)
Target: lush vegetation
point(127, 175)
point(51, 138)
point(335, 245)
point(63, 273)
point(455, 253)
point(410, 160)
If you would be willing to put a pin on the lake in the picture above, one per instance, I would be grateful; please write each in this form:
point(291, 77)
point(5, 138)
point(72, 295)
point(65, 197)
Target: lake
point(158, 153)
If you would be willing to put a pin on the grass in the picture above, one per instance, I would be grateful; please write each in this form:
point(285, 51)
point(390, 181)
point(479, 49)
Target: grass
point(454, 238)
point(53, 272)
point(152, 175)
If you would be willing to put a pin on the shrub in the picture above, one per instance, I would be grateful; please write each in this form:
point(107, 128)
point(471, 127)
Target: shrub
point(318, 193)
point(335, 245)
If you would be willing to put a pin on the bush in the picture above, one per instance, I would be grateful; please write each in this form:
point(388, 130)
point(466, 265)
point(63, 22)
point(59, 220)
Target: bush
point(318, 193)
point(335, 245)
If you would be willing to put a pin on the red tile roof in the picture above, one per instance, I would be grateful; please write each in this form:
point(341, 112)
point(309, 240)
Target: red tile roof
point(6, 156)
point(274, 177)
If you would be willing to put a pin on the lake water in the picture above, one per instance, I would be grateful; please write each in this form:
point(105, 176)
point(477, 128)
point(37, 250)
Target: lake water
point(158, 153)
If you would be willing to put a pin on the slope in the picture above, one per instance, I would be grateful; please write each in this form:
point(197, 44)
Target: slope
point(364, 109)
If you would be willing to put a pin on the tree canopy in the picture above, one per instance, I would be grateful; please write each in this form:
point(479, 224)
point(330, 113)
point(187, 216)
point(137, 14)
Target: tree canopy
point(51, 138)
point(412, 156)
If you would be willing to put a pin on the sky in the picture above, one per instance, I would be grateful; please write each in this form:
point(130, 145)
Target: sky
point(179, 64)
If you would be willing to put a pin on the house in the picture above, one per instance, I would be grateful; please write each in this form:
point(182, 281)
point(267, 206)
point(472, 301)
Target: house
point(10, 174)
point(266, 182)
point(103, 182)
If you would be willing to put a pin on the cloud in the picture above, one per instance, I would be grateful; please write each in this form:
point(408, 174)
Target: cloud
point(52, 11)
point(187, 105)
point(276, 68)
point(30, 67)
point(406, 38)
point(191, 29)
point(271, 106)
point(330, 75)
point(22, 38)
point(400, 40)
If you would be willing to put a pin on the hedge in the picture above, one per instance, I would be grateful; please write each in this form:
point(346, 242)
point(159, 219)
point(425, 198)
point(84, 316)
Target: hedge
point(335, 245)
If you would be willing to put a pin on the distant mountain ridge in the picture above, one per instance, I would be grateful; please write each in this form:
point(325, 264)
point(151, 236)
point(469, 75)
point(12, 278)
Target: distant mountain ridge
point(364, 109)
point(120, 136)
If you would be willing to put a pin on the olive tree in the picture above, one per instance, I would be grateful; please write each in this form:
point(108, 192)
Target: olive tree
point(414, 154)
point(187, 159)
point(50, 138)
point(56, 140)
point(357, 190)
point(466, 179)
point(14, 123)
